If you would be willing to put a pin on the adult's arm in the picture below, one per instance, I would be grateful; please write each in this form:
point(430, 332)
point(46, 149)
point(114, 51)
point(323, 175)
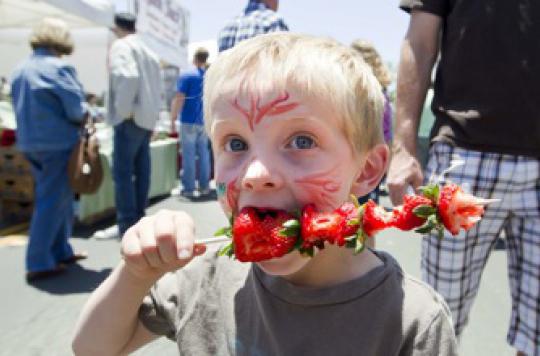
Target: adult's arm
point(124, 74)
point(418, 54)
point(176, 106)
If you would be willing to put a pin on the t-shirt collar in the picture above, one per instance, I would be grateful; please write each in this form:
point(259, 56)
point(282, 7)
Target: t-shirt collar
point(308, 296)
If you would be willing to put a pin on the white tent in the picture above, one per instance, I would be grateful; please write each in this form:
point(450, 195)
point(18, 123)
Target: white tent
point(88, 19)
point(77, 13)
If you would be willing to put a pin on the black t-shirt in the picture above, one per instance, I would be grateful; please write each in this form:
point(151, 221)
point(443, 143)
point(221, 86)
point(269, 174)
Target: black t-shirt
point(487, 94)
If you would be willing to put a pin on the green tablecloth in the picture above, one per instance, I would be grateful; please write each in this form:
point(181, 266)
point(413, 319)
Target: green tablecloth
point(426, 122)
point(163, 155)
point(7, 116)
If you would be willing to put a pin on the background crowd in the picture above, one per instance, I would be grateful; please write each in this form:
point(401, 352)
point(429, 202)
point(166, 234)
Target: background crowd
point(486, 119)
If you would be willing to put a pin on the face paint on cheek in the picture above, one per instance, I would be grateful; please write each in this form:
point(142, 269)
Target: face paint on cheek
point(232, 195)
point(221, 189)
point(321, 187)
point(227, 194)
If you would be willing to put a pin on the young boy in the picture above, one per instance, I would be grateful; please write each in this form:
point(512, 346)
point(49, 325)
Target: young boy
point(293, 120)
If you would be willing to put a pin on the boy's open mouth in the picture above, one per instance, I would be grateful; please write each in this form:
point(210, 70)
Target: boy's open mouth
point(263, 213)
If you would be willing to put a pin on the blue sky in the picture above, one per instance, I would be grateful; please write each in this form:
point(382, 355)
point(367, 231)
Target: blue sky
point(380, 21)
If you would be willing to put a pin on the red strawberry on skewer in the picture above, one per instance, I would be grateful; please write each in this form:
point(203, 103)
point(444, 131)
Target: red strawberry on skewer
point(260, 234)
point(404, 216)
point(375, 218)
point(332, 227)
point(459, 210)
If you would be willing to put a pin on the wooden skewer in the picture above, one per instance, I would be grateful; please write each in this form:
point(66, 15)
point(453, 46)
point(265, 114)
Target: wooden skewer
point(213, 240)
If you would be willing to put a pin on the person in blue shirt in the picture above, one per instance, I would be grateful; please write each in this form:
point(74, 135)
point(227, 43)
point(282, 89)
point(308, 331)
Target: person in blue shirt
point(48, 103)
point(187, 108)
point(259, 16)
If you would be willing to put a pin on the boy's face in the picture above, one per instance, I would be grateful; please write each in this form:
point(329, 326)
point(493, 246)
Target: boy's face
point(281, 151)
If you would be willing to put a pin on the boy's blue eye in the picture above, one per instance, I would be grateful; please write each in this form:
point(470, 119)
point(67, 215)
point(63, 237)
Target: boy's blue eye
point(302, 142)
point(235, 145)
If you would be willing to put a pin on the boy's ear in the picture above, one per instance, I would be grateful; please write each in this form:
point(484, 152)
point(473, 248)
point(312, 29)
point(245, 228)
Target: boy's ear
point(372, 171)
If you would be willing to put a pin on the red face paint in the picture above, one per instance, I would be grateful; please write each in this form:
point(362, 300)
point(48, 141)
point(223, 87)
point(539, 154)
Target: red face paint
point(320, 186)
point(232, 195)
point(256, 113)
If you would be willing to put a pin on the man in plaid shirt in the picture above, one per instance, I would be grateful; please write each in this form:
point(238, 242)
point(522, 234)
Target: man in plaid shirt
point(487, 116)
point(258, 17)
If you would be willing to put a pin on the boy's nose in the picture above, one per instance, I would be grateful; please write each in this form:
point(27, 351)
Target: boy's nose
point(258, 176)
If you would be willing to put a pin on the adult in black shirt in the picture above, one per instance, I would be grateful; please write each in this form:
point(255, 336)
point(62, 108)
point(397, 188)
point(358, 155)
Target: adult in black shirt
point(487, 108)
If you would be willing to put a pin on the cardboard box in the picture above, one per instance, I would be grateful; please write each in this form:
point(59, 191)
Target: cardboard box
point(17, 187)
point(12, 161)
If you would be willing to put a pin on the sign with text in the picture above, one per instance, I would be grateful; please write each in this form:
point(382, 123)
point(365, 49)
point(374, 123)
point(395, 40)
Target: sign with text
point(164, 26)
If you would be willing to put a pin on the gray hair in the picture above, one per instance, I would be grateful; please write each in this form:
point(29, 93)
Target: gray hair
point(53, 34)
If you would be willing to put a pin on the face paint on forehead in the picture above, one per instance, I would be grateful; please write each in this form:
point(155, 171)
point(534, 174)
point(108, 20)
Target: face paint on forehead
point(255, 114)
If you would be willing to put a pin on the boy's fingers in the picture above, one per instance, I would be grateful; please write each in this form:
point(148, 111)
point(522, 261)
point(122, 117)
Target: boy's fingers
point(196, 251)
point(148, 242)
point(131, 249)
point(165, 233)
point(185, 235)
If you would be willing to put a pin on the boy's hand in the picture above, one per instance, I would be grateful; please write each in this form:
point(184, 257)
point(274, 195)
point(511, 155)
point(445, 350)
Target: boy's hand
point(160, 243)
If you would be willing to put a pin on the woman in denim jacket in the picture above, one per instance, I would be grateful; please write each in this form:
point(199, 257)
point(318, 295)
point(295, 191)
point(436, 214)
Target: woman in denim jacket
point(48, 102)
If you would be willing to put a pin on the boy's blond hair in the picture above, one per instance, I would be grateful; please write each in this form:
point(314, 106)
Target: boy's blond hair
point(316, 67)
point(372, 57)
point(52, 33)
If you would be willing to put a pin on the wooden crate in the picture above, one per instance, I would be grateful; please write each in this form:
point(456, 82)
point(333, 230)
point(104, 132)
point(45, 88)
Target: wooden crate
point(15, 211)
point(13, 162)
point(17, 187)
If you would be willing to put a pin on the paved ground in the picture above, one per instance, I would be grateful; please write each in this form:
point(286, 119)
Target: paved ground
point(39, 320)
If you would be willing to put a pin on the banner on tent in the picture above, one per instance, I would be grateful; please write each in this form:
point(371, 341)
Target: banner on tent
point(164, 25)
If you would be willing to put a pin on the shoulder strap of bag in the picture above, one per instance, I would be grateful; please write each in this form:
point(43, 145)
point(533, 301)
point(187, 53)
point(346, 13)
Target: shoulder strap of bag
point(88, 127)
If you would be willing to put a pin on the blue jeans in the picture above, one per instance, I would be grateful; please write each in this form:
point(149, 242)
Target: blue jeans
point(131, 172)
point(194, 143)
point(52, 219)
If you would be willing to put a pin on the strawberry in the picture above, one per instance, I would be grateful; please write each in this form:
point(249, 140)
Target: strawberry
point(458, 209)
point(259, 234)
point(375, 218)
point(318, 227)
point(404, 217)
point(350, 213)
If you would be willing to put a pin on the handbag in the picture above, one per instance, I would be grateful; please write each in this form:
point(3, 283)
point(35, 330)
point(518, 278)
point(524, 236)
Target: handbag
point(85, 171)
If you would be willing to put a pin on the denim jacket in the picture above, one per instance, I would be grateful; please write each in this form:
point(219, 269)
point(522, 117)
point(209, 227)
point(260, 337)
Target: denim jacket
point(48, 103)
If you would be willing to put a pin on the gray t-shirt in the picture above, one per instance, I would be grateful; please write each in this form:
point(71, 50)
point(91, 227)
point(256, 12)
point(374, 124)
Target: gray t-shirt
point(217, 306)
